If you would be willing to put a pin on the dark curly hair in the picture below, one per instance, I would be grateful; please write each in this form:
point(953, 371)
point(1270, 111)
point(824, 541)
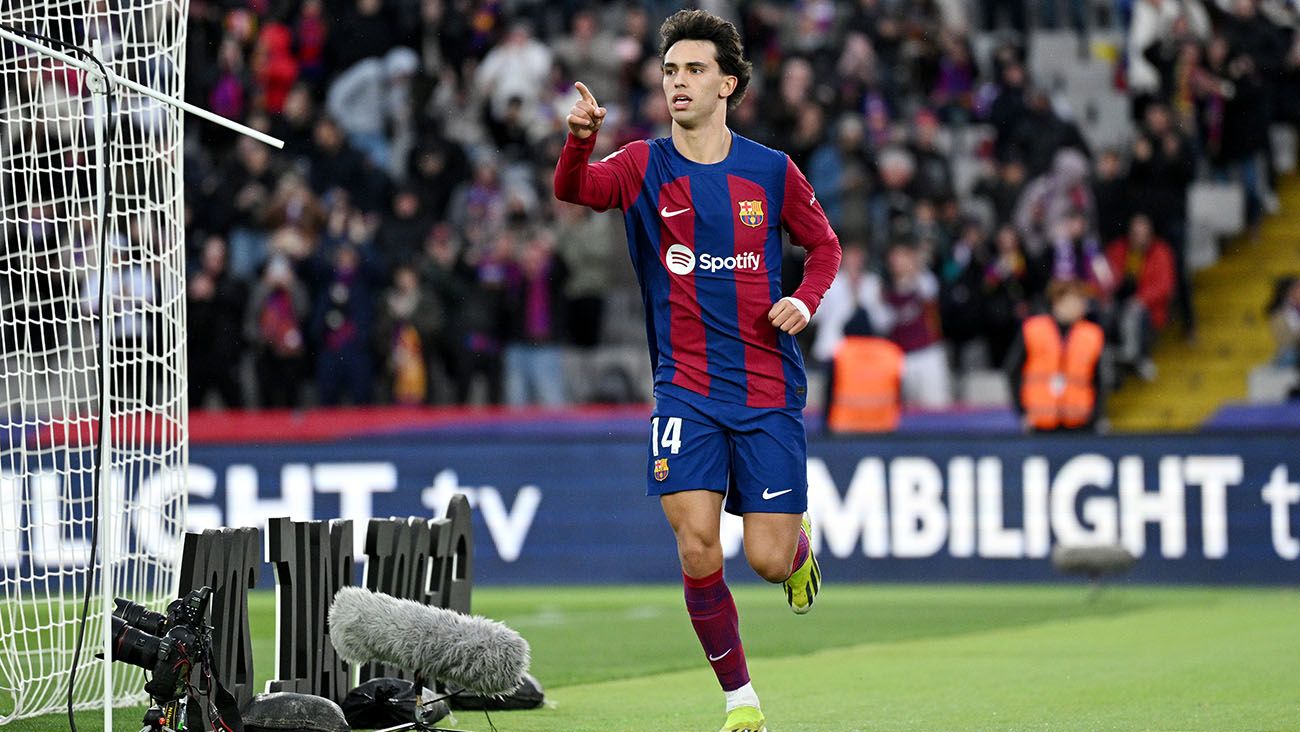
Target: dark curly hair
point(699, 25)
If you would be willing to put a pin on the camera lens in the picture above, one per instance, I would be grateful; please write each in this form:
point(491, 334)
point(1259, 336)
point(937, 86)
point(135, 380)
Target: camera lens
point(134, 646)
point(141, 617)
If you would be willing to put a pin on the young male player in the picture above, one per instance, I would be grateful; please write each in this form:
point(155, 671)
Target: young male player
point(704, 209)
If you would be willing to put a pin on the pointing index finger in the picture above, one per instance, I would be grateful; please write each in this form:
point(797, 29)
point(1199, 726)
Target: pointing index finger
point(585, 92)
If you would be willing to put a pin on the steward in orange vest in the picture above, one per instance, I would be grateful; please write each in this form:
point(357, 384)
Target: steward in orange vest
point(866, 378)
point(1053, 365)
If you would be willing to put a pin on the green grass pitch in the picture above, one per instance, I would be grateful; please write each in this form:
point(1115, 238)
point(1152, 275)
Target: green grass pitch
point(892, 657)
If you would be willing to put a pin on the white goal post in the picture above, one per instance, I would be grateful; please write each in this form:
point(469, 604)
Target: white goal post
point(92, 332)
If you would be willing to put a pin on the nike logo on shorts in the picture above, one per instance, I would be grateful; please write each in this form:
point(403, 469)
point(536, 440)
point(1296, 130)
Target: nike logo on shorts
point(669, 214)
point(769, 495)
point(720, 657)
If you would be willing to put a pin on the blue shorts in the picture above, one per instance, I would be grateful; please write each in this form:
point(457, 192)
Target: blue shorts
point(756, 457)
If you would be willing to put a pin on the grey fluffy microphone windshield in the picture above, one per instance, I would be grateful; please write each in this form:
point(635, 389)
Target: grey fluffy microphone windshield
point(481, 655)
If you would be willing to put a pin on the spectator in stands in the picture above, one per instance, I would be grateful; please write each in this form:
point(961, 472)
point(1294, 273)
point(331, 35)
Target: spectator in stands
point(1010, 287)
point(911, 298)
point(363, 31)
point(534, 368)
point(274, 67)
point(481, 201)
point(241, 193)
point(1077, 256)
point(438, 167)
point(892, 206)
point(444, 272)
point(1160, 175)
point(1008, 108)
point(585, 241)
point(1234, 120)
point(215, 329)
point(953, 92)
point(273, 326)
point(1055, 365)
point(370, 101)
point(1051, 199)
point(344, 280)
point(961, 294)
point(1155, 22)
point(295, 207)
point(1110, 191)
point(402, 232)
point(335, 164)
point(486, 314)
point(590, 49)
point(842, 168)
point(1284, 319)
point(933, 177)
point(1041, 134)
point(516, 68)
point(409, 321)
point(229, 94)
point(311, 36)
point(1143, 285)
point(294, 126)
point(1002, 187)
point(853, 305)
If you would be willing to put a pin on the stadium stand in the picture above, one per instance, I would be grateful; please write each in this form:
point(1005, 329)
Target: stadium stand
point(405, 248)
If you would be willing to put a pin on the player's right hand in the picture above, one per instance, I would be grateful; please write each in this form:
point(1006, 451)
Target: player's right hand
point(586, 115)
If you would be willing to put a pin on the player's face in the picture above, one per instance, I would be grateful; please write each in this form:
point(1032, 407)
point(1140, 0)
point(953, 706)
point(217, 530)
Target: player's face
point(694, 85)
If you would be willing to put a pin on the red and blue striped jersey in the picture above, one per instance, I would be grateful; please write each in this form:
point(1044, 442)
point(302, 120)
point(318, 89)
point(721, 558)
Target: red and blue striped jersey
point(706, 245)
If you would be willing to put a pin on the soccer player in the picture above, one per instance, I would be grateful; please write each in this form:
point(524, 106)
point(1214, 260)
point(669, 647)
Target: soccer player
point(704, 209)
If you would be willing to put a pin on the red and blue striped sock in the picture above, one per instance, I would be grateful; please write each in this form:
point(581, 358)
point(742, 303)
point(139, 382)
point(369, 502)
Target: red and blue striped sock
point(801, 550)
point(713, 613)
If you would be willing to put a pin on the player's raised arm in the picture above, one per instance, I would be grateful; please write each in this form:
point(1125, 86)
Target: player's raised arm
point(803, 217)
point(610, 183)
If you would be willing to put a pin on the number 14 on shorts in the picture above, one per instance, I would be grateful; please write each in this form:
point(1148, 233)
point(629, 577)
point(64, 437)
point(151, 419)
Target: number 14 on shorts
point(671, 440)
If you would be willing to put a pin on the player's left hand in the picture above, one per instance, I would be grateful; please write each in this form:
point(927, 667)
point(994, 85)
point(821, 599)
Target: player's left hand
point(787, 316)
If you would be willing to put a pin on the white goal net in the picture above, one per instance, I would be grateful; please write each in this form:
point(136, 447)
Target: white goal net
point(56, 252)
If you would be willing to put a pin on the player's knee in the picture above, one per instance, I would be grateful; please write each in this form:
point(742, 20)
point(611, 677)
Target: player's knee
point(771, 567)
point(699, 555)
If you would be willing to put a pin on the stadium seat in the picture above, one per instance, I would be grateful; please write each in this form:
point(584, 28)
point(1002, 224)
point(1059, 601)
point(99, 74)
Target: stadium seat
point(966, 171)
point(1284, 147)
point(1219, 207)
point(1053, 52)
point(985, 388)
point(1202, 248)
point(1270, 384)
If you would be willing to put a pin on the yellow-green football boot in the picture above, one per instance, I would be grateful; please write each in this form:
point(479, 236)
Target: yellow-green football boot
point(745, 719)
point(802, 585)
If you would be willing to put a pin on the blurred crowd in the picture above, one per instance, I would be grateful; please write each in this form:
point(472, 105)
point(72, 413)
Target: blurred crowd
point(405, 247)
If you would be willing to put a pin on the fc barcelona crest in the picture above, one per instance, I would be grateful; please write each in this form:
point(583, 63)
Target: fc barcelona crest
point(751, 213)
point(661, 469)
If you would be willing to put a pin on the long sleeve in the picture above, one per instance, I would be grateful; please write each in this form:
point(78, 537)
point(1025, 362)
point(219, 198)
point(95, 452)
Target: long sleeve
point(803, 217)
point(1156, 287)
point(610, 183)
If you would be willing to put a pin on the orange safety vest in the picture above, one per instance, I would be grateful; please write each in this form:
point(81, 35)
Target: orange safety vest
point(1056, 389)
point(868, 376)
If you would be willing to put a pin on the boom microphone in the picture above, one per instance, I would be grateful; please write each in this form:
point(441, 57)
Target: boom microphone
point(481, 655)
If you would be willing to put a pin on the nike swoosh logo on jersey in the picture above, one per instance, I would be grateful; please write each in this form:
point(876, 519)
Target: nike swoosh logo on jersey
point(669, 214)
point(768, 495)
point(611, 156)
point(719, 658)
